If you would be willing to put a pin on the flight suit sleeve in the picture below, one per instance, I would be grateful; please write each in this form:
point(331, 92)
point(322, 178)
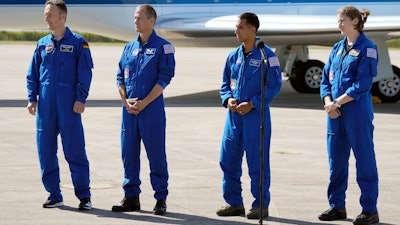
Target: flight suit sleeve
point(120, 70)
point(326, 86)
point(225, 90)
point(366, 71)
point(84, 70)
point(33, 76)
point(273, 82)
point(167, 65)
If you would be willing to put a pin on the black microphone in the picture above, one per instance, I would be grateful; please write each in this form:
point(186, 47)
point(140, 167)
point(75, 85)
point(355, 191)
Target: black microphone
point(260, 45)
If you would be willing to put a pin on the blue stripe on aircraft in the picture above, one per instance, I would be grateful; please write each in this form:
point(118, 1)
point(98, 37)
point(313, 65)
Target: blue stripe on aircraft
point(119, 2)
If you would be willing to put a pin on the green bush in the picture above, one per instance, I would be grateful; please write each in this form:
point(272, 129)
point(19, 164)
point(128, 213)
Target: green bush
point(36, 35)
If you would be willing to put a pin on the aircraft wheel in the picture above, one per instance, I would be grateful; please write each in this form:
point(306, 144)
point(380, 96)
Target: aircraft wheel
point(308, 76)
point(388, 90)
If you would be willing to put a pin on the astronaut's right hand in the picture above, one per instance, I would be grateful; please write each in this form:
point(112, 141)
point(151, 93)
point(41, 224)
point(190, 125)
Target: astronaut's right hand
point(130, 106)
point(232, 104)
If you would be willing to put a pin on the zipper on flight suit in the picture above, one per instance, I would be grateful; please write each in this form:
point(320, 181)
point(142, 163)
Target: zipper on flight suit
point(241, 78)
point(340, 66)
point(138, 63)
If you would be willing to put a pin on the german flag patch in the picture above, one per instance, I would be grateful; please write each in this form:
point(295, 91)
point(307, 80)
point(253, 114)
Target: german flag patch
point(85, 45)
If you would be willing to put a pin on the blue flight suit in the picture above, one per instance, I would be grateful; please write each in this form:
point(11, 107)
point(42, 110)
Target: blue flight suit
point(242, 81)
point(60, 73)
point(140, 68)
point(351, 72)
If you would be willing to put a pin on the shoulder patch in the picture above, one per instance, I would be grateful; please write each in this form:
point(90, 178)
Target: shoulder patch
point(85, 45)
point(371, 52)
point(273, 61)
point(168, 49)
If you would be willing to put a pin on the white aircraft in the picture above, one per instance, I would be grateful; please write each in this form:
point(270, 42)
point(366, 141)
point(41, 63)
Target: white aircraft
point(288, 26)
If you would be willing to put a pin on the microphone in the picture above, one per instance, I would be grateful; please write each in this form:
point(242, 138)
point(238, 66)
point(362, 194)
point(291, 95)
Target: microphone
point(260, 45)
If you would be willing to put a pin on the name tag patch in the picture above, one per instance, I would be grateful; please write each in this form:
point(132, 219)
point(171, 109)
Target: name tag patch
point(354, 52)
point(150, 51)
point(255, 62)
point(66, 48)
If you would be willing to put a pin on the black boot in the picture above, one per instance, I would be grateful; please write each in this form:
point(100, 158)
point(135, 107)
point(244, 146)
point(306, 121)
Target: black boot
point(160, 208)
point(333, 214)
point(127, 205)
point(366, 218)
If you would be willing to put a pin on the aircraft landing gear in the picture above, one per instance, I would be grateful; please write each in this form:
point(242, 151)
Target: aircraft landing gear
point(388, 90)
point(308, 76)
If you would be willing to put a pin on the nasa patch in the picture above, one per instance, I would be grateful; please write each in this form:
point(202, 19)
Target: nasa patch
point(49, 48)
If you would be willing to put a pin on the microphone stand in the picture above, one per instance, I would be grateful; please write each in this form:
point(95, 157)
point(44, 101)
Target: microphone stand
point(262, 131)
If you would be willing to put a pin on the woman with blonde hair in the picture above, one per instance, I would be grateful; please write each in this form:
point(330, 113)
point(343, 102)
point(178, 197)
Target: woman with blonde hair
point(345, 91)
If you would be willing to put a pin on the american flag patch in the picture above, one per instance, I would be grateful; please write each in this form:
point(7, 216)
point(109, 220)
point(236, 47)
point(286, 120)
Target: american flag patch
point(371, 52)
point(273, 61)
point(85, 45)
point(168, 48)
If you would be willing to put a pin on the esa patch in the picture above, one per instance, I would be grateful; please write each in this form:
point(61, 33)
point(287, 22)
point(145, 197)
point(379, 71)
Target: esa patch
point(126, 73)
point(168, 49)
point(233, 84)
point(331, 75)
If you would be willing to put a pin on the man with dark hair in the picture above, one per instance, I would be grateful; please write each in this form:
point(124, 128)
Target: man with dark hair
point(58, 82)
point(146, 67)
point(241, 93)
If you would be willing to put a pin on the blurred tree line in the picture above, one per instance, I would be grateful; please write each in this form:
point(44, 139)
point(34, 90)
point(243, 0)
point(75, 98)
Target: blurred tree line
point(36, 35)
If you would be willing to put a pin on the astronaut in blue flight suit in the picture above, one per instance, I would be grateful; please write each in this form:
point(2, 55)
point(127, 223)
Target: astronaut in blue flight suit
point(146, 67)
point(240, 93)
point(345, 90)
point(58, 82)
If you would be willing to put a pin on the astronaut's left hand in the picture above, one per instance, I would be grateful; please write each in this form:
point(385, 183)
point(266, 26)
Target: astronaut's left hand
point(244, 107)
point(79, 107)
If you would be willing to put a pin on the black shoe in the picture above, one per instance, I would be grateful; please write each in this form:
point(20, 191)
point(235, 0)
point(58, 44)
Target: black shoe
point(52, 204)
point(127, 205)
point(366, 218)
point(85, 204)
point(333, 214)
point(254, 213)
point(229, 210)
point(160, 208)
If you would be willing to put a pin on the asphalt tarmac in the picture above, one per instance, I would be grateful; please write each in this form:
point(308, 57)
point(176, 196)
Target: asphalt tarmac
point(195, 120)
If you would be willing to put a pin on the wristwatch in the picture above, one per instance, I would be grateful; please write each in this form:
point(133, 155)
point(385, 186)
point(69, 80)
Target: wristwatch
point(336, 103)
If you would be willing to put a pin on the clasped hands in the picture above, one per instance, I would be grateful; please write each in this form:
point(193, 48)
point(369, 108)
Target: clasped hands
point(134, 106)
point(242, 108)
point(332, 110)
